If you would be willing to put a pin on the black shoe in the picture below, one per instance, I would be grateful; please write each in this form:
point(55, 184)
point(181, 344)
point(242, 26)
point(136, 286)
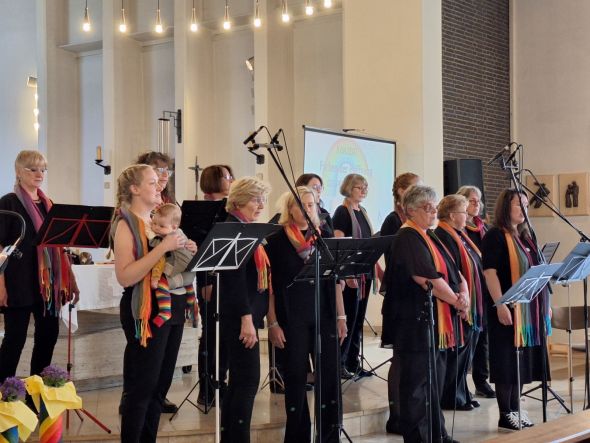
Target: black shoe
point(485, 390)
point(345, 375)
point(508, 421)
point(392, 427)
point(475, 403)
point(466, 407)
point(168, 407)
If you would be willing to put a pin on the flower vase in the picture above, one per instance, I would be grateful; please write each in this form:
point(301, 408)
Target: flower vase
point(50, 429)
point(10, 435)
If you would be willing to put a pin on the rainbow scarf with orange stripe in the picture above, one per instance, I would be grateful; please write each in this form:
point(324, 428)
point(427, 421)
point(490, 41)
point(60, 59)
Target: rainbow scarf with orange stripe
point(302, 244)
point(527, 331)
point(260, 260)
point(446, 335)
point(141, 297)
point(477, 225)
point(470, 272)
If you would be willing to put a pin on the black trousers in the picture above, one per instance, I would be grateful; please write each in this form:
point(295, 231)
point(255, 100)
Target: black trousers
point(16, 323)
point(455, 390)
point(355, 308)
point(148, 373)
point(413, 389)
point(300, 335)
point(480, 370)
point(206, 359)
point(244, 378)
point(393, 423)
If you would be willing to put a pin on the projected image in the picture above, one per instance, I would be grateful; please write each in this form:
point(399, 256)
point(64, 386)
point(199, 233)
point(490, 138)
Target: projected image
point(334, 155)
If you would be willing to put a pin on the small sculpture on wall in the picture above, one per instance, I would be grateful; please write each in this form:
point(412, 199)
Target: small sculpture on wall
point(541, 194)
point(571, 195)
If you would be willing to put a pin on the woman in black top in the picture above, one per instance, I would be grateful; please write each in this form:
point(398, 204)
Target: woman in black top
point(397, 217)
point(242, 309)
point(214, 182)
point(150, 352)
point(417, 258)
point(22, 292)
point(508, 252)
point(316, 183)
point(351, 220)
point(476, 229)
point(452, 215)
point(291, 320)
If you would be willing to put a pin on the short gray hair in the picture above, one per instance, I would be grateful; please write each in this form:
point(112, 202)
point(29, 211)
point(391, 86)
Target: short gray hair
point(243, 190)
point(417, 195)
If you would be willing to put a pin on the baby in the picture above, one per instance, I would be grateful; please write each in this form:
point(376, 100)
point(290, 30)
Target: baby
point(168, 274)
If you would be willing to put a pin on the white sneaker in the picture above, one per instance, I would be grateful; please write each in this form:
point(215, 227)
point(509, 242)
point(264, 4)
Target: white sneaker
point(525, 420)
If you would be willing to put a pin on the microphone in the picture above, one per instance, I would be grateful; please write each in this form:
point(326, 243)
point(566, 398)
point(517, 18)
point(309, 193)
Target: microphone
point(267, 146)
point(252, 136)
point(511, 156)
point(499, 154)
point(275, 138)
point(259, 157)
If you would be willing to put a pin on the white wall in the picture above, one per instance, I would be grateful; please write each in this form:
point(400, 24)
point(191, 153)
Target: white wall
point(18, 55)
point(91, 128)
point(550, 96)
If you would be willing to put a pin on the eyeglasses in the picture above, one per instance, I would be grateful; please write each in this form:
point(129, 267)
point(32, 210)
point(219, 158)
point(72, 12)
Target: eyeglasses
point(428, 208)
point(473, 201)
point(317, 187)
point(227, 177)
point(259, 200)
point(162, 171)
point(35, 170)
point(362, 188)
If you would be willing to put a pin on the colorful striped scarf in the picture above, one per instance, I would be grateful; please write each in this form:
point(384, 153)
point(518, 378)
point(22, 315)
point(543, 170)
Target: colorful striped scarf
point(53, 262)
point(527, 330)
point(141, 297)
point(477, 225)
point(471, 273)
point(446, 335)
point(302, 244)
point(260, 259)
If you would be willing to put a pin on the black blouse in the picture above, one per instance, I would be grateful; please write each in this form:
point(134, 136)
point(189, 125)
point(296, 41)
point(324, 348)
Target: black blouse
point(404, 327)
point(21, 275)
point(391, 224)
point(342, 222)
point(239, 293)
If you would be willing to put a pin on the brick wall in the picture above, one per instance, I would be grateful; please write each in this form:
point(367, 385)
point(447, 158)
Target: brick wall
point(476, 84)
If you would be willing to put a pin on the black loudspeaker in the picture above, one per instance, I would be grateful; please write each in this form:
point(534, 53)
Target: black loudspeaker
point(461, 172)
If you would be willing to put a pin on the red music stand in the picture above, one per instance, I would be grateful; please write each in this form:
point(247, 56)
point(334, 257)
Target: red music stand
point(76, 226)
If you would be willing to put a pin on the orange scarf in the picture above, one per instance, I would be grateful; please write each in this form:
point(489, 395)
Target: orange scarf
point(446, 336)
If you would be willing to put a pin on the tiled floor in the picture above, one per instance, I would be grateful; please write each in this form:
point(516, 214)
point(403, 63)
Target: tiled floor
point(367, 394)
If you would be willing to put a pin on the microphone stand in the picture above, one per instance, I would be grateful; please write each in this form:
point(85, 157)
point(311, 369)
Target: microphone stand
point(511, 165)
point(322, 247)
point(12, 249)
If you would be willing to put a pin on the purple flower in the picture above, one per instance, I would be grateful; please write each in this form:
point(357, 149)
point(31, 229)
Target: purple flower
point(13, 389)
point(54, 376)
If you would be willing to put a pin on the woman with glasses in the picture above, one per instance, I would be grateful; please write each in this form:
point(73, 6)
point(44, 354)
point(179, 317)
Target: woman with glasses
point(351, 220)
point(162, 164)
point(37, 283)
point(215, 182)
point(452, 216)
point(242, 309)
point(316, 183)
point(508, 252)
point(476, 228)
point(418, 260)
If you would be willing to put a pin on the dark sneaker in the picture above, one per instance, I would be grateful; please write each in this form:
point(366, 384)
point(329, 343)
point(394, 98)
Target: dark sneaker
point(508, 421)
point(168, 407)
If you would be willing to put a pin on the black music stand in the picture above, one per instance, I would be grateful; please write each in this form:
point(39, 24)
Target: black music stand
point(227, 247)
point(351, 258)
point(76, 226)
point(10, 250)
point(525, 290)
point(576, 267)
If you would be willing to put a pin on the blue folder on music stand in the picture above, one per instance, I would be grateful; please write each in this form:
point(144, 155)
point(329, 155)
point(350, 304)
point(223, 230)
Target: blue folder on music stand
point(529, 284)
point(576, 266)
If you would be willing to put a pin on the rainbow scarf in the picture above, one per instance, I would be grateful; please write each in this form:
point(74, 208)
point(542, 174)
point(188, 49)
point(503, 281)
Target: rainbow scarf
point(53, 262)
point(141, 297)
point(527, 330)
point(260, 260)
point(470, 272)
point(446, 335)
point(477, 225)
point(302, 244)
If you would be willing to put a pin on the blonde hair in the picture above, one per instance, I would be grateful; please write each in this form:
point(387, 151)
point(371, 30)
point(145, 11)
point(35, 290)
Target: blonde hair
point(349, 182)
point(131, 175)
point(28, 158)
point(243, 190)
point(450, 203)
point(287, 201)
point(169, 210)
